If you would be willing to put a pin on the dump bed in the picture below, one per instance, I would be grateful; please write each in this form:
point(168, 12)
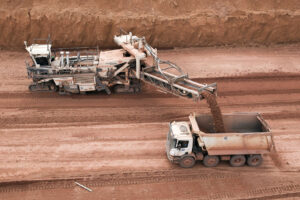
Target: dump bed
point(246, 133)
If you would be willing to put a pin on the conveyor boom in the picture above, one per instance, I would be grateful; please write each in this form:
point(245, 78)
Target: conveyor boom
point(155, 75)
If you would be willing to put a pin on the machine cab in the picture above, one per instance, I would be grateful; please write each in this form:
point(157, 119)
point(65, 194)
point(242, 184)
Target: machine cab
point(179, 140)
point(40, 53)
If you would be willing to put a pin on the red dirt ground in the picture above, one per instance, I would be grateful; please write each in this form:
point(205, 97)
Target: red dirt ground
point(115, 144)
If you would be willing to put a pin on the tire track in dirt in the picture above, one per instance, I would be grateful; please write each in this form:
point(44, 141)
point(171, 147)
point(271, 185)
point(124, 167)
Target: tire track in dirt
point(129, 178)
point(148, 95)
point(66, 120)
point(154, 177)
point(258, 193)
point(280, 83)
point(261, 193)
point(276, 196)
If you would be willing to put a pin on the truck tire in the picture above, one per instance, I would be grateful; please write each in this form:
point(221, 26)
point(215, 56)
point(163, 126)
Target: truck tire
point(237, 160)
point(211, 161)
point(254, 160)
point(187, 162)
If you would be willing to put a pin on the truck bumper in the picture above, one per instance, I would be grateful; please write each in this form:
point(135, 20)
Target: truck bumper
point(173, 159)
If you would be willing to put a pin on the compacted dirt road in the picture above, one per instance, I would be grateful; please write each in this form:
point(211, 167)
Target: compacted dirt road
point(116, 144)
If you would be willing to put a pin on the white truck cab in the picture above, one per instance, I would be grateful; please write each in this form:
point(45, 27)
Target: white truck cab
point(180, 140)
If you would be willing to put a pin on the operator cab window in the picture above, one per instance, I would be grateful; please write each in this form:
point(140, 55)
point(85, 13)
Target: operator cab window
point(183, 144)
point(42, 61)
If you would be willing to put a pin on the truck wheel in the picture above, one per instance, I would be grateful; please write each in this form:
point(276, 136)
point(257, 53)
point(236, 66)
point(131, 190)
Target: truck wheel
point(237, 160)
point(254, 160)
point(211, 161)
point(187, 162)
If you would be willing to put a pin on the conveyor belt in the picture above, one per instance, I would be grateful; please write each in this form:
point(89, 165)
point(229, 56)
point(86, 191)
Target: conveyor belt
point(183, 87)
point(161, 74)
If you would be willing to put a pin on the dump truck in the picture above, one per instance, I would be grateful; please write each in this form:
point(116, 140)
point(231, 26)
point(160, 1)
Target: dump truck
point(247, 137)
point(81, 70)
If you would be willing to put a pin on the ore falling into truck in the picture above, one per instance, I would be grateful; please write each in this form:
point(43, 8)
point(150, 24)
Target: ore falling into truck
point(239, 137)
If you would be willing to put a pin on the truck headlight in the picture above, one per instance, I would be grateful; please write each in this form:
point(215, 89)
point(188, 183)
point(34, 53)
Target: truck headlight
point(172, 152)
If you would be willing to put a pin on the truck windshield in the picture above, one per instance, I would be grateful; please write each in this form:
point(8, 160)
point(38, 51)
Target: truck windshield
point(171, 141)
point(183, 144)
point(43, 61)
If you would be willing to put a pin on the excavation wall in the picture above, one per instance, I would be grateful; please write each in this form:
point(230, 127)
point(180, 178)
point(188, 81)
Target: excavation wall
point(164, 23)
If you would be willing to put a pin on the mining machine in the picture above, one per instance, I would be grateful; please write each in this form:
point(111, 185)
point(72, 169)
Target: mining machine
point(81, 70)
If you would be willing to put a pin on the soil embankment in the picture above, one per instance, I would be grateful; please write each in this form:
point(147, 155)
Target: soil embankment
point(164, 23)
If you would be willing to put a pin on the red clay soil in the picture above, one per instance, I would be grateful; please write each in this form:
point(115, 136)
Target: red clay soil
point(164, 23)
point(116, 144)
